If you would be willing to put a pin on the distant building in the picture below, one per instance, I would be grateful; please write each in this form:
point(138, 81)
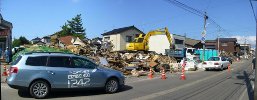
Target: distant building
point(35, 40)
point(5, 35)
point(229, 45)
point(225, 44)
point(46, 40)
point(70, 40)
point(179, 41)
point(40, 43)
point(245, 48)
point(192, 43)
point(211, 44)
point(121, 36)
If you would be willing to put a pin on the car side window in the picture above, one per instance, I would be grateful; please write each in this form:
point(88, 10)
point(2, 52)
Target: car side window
point(59, 61)
point(82, 63)
point(36, 61)
point(223, 59)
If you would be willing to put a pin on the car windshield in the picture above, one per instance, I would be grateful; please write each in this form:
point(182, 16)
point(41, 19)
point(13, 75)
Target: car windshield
point(214, 59)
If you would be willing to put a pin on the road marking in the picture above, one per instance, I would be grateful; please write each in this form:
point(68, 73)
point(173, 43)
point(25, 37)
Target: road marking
point(157, 94)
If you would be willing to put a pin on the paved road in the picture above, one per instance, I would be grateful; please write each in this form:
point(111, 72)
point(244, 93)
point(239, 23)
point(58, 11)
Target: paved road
point(199, 85)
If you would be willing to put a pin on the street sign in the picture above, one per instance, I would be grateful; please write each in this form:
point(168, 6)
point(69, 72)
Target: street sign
point(203, 40)
point(203, 33)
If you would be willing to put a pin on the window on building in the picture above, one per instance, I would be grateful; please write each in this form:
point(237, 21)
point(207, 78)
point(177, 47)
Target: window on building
point(177, 41)
point(224, 44)
point(128, 38)
point(106, 38)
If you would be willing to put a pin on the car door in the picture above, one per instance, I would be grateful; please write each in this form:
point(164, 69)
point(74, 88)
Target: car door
point(58, 68)
point(224, 62)
point(88, 75)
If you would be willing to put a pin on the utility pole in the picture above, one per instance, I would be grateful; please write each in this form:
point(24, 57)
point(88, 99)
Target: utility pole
point(203, 34)
point(255, 82)
point(245, 48)
point(185, 34)
point(219, 42)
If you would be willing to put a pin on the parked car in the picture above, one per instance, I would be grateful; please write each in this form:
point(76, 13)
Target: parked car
point(216, 63)
point(40, 73)
point(229, 59)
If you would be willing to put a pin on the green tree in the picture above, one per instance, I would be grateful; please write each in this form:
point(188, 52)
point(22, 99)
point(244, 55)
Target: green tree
point(66, 30)
point(76, 25)
point(21, 41)
point(73, 27)
point(16, 43)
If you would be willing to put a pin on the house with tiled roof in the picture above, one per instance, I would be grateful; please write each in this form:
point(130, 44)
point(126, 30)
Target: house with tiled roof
point(35, 40)
point(192, 43)
point(121, 36)
point(70, 40)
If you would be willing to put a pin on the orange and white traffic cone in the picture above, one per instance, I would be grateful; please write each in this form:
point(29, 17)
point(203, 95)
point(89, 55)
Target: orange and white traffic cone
point(182, 76)
point(150, 75)
point(228, 68)
point(5, 71)
point(163, 77)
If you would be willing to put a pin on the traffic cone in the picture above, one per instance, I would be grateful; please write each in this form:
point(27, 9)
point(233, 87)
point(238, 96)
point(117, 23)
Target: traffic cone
point(229, 68)
point(163, 77)
point(150, 75)
point(182, 76)
point(5, 71)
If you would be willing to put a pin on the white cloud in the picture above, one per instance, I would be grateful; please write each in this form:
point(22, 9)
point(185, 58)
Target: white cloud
point(249, 40)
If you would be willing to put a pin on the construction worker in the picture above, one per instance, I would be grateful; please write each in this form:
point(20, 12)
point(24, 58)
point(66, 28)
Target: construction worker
point(7, 55)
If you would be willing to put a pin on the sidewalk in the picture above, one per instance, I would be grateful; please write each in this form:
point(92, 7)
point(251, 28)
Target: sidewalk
point(2, 70)
point(246, 95)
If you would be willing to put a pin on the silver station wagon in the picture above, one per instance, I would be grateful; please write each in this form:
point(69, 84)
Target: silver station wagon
point(41, 72)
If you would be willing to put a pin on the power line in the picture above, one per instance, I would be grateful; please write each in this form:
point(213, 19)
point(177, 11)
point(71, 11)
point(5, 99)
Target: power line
point(253, 10)
point(187, 8)
point(196, 12)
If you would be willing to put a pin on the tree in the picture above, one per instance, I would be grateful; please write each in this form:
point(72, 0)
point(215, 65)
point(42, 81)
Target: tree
point(76, 25)
point(73, 27)
point(16, 43)
point(21, 41)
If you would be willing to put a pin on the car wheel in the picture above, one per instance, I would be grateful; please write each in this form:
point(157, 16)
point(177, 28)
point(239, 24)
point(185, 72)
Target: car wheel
point(207, 69)
point(111, 86)
point(221, 68)
point(39, 89)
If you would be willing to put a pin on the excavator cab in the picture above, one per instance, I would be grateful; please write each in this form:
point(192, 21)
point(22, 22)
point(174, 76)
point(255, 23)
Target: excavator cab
point(137, 44)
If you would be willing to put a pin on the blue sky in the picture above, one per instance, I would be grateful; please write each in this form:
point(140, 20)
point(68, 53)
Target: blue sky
point(38, 18)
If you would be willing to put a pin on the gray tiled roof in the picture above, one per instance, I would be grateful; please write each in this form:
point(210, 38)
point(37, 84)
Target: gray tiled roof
point(119, 30)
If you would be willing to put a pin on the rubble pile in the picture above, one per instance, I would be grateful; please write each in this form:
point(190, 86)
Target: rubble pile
point(229, 54)
point(135, 64)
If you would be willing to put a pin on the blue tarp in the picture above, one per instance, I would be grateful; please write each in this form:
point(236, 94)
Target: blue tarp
point(208, 53)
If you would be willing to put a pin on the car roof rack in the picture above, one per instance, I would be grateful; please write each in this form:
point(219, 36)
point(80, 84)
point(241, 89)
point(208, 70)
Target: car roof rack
point(47, 52)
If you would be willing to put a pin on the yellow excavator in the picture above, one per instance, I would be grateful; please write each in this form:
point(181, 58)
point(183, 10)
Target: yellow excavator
point(140, 43)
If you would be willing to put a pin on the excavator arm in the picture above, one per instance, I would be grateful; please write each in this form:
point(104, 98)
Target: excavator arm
point(141, 42)
point(159, 32)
